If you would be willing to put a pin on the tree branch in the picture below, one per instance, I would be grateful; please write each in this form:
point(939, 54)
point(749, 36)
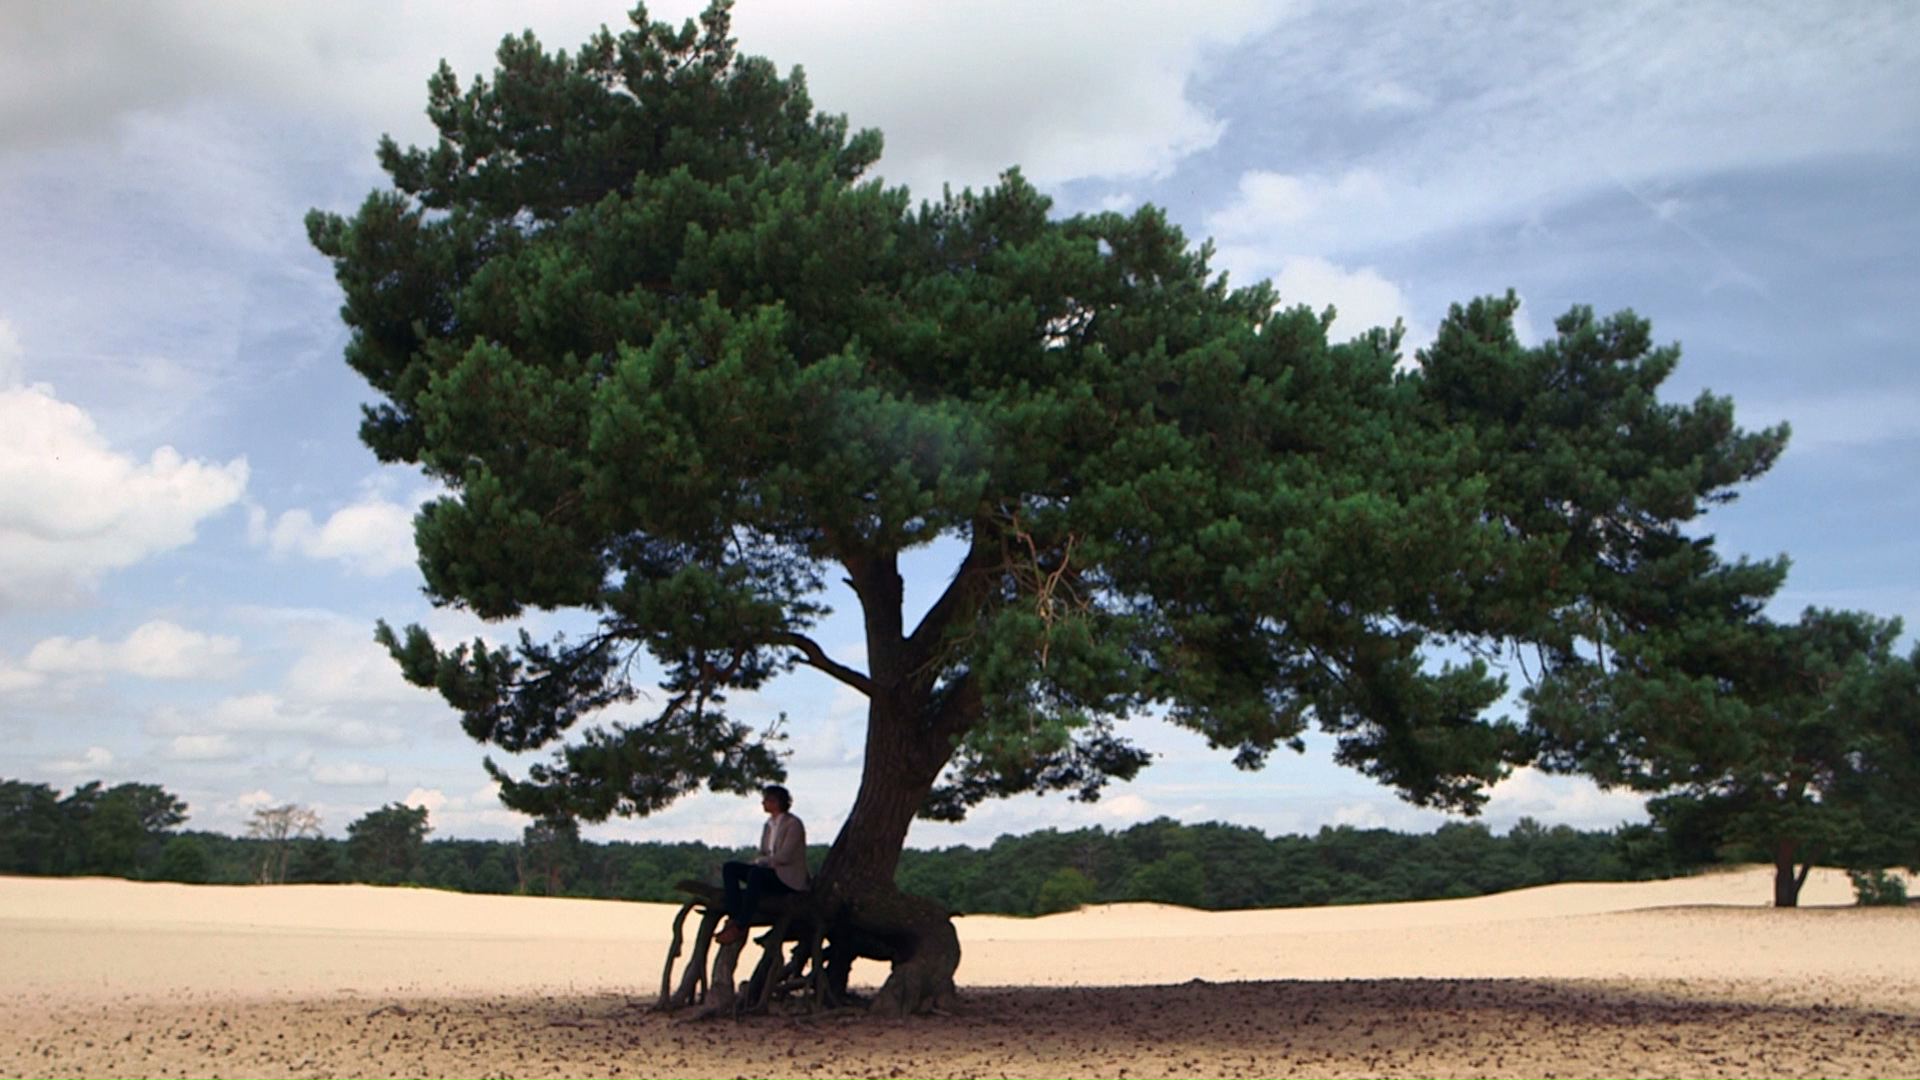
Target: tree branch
point(817, 657)
point(967, 581)
point(957, 710)
point(875, 576)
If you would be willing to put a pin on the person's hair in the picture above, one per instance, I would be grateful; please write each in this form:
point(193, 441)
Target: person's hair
point(780, 795)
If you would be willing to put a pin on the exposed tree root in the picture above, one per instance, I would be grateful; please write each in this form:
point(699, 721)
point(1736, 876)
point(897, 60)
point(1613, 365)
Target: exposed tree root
point(915, 934)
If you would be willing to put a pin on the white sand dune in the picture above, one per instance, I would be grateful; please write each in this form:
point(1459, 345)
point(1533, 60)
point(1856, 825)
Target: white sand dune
point(81, 935)
point(1703, 963)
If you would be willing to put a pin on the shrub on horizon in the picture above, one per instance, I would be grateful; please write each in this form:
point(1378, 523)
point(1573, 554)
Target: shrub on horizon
point(1878, 888)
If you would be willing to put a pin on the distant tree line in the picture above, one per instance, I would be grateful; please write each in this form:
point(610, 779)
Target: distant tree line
point(120, 831)
point(1222, 867)
point(132, 831)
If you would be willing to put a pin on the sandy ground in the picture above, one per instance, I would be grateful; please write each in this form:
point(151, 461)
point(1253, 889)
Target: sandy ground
point(1695, 977)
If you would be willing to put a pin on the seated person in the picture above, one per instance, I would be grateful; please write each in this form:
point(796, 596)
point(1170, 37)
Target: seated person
point(781, 867)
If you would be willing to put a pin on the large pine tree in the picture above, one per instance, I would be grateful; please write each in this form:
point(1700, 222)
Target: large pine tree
point(678, 362)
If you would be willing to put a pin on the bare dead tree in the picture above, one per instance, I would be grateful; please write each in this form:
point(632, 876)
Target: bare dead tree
point(280, 826)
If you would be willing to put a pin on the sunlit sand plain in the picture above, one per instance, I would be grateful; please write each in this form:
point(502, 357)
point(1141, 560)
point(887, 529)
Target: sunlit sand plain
point(1696, 976)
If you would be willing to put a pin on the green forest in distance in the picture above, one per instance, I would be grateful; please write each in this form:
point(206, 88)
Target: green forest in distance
point(133, 831)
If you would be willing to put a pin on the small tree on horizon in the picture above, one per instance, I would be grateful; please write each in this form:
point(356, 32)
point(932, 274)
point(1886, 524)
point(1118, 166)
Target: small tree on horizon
point(279, 828)
point(31, 824)
point(678, 362)
point(117, 830)
point(550, 852)
point(384, 845)
point(184, 859)
point(1793, 743)
point(1066, 889)
point(318, 861)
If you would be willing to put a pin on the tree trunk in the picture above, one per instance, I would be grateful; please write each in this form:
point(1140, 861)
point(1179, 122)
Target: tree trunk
point(919, 939)
point(1786, 885)
point(870, 916)
point(912, 729)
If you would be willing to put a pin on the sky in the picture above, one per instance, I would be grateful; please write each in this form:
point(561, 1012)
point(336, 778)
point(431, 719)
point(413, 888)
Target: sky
point(194, 545)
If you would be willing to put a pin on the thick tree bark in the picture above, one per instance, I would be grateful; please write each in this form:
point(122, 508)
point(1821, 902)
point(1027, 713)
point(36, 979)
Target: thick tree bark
point(1787, 883)
point(900, 767)
point(913, 722)
point(871, 917)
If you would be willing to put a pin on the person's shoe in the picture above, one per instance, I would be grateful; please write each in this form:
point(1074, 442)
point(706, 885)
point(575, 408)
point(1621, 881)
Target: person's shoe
point(731, 934)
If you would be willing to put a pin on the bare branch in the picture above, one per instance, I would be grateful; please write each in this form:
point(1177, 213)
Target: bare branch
point(817, 657)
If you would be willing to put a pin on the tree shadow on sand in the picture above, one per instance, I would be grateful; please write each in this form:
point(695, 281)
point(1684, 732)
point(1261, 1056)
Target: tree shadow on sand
point(1388, 1027)
point(1384, 1027)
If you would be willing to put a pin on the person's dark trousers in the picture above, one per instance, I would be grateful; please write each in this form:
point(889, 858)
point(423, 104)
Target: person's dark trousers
point(746, 883)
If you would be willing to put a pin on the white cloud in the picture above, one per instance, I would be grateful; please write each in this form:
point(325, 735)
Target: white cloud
point(72, 508)
point(1129, 809)
point(254, 800)
point(269, 714)
point(351, 668)
point(1539, 106)
point(477, 813)
point(1363, 815)
point(188, 232)
point(1560, 800)
point(729, 820)
point(1362, 298)
point(93, 762)
point(15, 679)
point(961, 91)
point(339, 690)
point(338, 664)
point(429, 799)
point(266, 715)
point(73, 78)
point(964, 91)
point(1523, 328)
point(1269, 201)
point(835, 739)
point(1260, 238)
point(202, 748)
point(154, 650)
point(348, 774)
point(372, 536)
